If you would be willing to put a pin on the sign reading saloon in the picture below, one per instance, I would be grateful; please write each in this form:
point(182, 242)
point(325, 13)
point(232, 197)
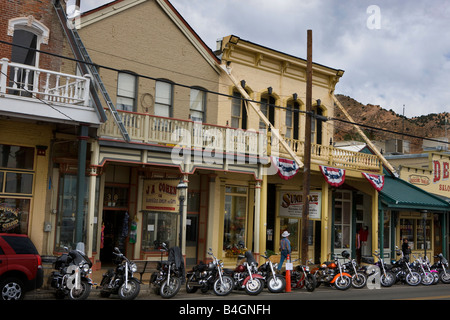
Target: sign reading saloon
point(160, 195)
point(291, 204)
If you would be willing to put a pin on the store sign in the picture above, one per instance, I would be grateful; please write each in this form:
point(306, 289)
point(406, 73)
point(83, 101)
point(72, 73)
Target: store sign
point(160, 195)
point(9, 218)
point(291, 204)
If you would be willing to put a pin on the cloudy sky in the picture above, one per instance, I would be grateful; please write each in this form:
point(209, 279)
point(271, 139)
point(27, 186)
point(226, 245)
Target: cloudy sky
point(395, 53)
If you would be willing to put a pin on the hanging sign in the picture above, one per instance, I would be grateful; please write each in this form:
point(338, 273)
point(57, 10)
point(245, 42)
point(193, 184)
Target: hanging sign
point(334, 176)
point(291, 204)
point(286, 168)
point(376, 180)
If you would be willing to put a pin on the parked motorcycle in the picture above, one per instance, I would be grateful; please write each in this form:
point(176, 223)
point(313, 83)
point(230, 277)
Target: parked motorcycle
point(359, 278)
point(274, 282)
point(120, 280)
point(403, 271)
point(387, 277)
point(246, 276)
point(70, 278)
point(441, 266)
point(167, 279)
point(434, 272)
point(301, 277)
point(418, 266)
point(332, 274)
point(209, 276)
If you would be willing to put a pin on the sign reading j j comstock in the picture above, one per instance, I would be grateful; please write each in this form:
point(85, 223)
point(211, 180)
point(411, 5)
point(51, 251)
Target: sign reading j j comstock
point(291, 204)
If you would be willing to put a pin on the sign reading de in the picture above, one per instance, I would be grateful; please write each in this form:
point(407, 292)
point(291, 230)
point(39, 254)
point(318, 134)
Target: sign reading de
point(291, 204)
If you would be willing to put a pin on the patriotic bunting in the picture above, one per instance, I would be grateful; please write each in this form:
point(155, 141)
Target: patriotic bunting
point(377, 181)
point(333, 176)
point(286, 168)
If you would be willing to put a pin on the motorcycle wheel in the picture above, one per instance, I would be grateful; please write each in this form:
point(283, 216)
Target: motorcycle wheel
point(413, 278)
point(387, 280)
point(254, 286)
point(82, 293)
point(435, 277)
point(276, 284)
point(427, 278)
point(359, 280)
point(444, 277)
point(190, 289)
point(130, 291)
point(343, 282)
point(225, 287)
point(310, 283)
point(168, 290)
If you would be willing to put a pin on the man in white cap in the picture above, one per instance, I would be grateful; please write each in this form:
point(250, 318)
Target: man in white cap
point(285, 247)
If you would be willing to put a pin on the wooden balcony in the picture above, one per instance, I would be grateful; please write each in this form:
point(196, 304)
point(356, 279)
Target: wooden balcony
point(154, 130)
point(44, 94)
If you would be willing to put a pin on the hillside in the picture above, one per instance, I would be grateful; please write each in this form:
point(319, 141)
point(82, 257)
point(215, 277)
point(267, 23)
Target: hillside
point(430, 126)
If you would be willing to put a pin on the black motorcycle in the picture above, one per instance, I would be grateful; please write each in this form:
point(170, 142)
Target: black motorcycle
point(71, 276)
point(274, 282)
point(120, 280)
point(359, 277)
point(301, 277)
point(442, 267)
point(403, 271)
point(168, 277)
point(209, 276)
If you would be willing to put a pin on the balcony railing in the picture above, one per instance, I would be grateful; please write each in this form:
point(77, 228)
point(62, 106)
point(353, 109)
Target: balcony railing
point(148, 129)
point(54, 87)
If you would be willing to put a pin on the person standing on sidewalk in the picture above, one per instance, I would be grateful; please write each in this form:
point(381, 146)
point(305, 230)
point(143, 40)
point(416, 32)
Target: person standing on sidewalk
point(285, 247)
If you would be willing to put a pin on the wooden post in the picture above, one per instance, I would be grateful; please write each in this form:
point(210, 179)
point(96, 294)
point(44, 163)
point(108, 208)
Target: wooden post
point(307, 153)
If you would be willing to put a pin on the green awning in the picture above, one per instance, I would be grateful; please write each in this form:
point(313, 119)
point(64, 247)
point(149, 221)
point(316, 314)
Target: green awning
point(398, 194)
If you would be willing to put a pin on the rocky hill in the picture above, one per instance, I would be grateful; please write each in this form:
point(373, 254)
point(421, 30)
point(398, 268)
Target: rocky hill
point(430, 126)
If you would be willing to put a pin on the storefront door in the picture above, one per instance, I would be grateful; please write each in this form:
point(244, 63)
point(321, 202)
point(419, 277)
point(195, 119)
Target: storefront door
point(191, 239)
point(112, 234)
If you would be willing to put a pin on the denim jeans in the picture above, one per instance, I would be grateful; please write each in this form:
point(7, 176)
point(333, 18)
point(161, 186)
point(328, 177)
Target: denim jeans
point(282, 258)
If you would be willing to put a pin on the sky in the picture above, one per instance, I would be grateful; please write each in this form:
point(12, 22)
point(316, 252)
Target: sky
point(395, 53)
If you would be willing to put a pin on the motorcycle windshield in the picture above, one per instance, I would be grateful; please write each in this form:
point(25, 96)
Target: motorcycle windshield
point(80, 257)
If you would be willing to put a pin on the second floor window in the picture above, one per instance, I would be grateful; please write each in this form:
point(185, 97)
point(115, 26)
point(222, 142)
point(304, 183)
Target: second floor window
point(163, 99)
point(238, 112)
point(268, 109)
point(197, 105)
point(292, 120)
point(126, 92)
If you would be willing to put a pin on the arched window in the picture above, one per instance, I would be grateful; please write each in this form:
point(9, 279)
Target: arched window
point(292, 120)
point(267, 107)
point(316, 126)
point(238, 111)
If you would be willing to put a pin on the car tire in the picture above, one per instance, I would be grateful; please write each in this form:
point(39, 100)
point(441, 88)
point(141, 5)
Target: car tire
point(12, 288)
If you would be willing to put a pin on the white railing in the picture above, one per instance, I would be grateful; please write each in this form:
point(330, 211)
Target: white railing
point(149, 129)
point(28, 81)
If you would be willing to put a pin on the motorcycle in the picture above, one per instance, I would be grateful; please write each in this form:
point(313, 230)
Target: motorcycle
point(70, 277)
point(434, 272)
point(120, 280)
point(441, 266)
point(332, 274)
point(418, 266)
point(359, 278)
point(403, 272)
point(387, 277)
point(209, 276)
point(301, 277)
point(274, 282)
point(167, 279)
point(246, 276)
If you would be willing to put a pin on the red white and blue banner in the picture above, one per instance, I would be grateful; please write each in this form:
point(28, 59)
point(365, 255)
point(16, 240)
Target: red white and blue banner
point(334, 176)
point(286, 168)
point(376, 180)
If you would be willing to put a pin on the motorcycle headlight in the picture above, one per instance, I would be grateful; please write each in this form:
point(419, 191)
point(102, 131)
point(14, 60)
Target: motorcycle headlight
point(133, 267)
point(85, 268)
point(306, 268)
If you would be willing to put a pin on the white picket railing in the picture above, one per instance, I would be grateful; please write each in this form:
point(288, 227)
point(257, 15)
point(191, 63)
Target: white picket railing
point(55, 87)
point(149, 129)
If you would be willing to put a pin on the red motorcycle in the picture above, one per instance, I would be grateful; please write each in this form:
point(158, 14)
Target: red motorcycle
point(332, 274)
point(246, 276)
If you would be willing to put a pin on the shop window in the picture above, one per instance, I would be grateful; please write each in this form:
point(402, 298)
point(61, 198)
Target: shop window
point(14, 215)
point(235, 218)
point(67, 210)
point(342, 219)
point(413, 230)
point(159, 227)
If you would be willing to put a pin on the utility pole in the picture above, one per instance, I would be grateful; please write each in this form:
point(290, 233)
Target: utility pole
point(307, 152)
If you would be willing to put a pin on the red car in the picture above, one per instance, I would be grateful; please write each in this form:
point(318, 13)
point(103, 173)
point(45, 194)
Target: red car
point(20, 266)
